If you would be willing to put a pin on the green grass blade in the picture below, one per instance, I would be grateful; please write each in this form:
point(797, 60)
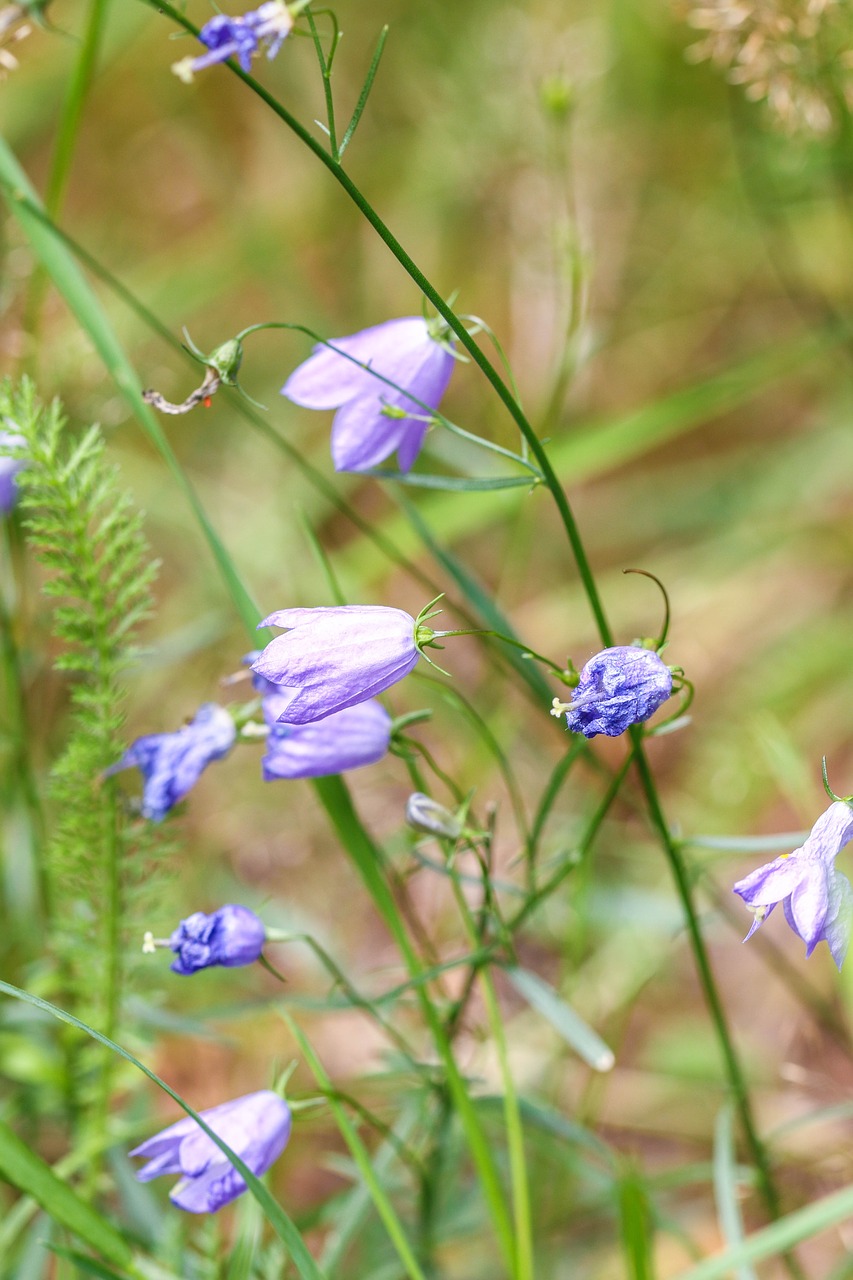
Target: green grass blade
point(586, 1043)
point(774, 1240)
point(82, 1263)
point(636, 1226)
point(726, 1186)
point(23, 1169)
point(355, 839)
point(276, 1216)
point(453, 484)
point(480, 600)
point(58, 262)
point(360, 1155)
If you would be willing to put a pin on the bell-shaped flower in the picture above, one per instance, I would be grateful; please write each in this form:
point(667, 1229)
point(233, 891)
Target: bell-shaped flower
point(376, 418)
point(256, 1127)
point(346, 739)
point(231, 936)
point(817, 899)
point(9, 468)
point(617, 688)
point(331, 658)
point(172, 763)
point(242, 38)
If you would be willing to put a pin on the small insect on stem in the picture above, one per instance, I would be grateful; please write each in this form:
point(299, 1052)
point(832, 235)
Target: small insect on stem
point(201, 394)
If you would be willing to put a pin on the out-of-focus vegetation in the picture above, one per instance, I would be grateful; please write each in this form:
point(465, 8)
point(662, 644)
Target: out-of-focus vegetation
point(668, 266)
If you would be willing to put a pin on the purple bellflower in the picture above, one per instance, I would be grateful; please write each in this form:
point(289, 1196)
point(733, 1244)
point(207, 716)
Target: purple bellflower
point(346, 739)
point(224, 37)
point(9, 468)
point(618, 687)
point(172, 763)
point(375, 419)
point(256, 1127)
point(231, 936)
point(333, 658)
point(817, 899)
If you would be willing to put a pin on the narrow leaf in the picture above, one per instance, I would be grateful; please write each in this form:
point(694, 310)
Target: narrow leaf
point(31, 1175)
point(278, 1219)
point(545, 1000)
point(726, 1185)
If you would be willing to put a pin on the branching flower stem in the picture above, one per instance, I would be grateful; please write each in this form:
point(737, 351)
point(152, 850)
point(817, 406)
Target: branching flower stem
point(551, 480)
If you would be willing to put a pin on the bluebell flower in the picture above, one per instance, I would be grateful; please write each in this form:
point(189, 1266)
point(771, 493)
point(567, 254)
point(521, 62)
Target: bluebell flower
point(256, 1127)
point(172, 763)
point(9, 468)
point(240, 37)
point(617, 688)
point(332, 658)
point(231, 936)
point(346, 739)
point(817, 899)
point(374, 419)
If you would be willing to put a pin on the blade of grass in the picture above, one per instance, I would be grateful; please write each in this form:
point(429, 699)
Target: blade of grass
point(726, 1186)
point(360, 1155)
point(276, 1216)
point(23, 1169)
point(367, 859)
point(81, 300)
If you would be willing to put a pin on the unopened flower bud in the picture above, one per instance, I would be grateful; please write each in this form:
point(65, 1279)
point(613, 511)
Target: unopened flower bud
point(427, 815)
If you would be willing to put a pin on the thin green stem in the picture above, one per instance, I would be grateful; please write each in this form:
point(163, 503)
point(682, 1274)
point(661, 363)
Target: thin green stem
point(512, 1113)
point(578, 549)
point(538, 896)
point(326, 73)
point(703, 964)
point(66, 141)
point(517, 644)
point(364, 853)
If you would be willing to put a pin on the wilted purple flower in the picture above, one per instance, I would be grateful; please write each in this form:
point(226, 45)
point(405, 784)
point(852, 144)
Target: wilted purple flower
point(817, 899)
point(256, 1127)
point(172, 763)
point(336, 657)
point(617, 688)
point(346, 739)
point(240, 38)
point(374, 419)
point(231, 936)
point(9, 468)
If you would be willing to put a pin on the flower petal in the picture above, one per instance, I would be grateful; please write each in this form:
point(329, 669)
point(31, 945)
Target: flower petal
point(832, 831)
point(349, 739)
point(327, 379)
point(839, 918)
point(807, 907)
point(772, 882)
point(337, 657)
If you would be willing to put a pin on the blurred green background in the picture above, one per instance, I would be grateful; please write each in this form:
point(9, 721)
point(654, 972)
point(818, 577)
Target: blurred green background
point(668, 267)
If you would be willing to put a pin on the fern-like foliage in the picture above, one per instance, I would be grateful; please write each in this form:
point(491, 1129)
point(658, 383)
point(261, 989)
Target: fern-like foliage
point(88, 536)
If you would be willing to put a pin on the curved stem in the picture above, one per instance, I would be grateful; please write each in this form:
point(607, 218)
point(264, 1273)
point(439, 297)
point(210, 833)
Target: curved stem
point(706, 977)
point(590, 587)
point(517, 644)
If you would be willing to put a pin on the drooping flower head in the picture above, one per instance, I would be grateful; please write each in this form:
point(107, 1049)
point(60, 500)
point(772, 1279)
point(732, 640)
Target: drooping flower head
point(256, 1127)
point(375, 418)
point(617, 688)
point(231, 936)
point(346, 739)
point(241, 37)
point(9, 468)
point(817, 899)
point(172, 763)
point(332, 658)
